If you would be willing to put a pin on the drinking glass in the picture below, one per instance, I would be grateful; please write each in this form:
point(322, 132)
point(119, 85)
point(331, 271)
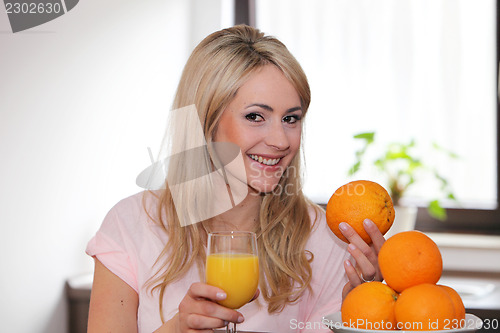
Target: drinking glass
point(233, 266)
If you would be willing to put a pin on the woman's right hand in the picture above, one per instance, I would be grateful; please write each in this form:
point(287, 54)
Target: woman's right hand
point(199, 311)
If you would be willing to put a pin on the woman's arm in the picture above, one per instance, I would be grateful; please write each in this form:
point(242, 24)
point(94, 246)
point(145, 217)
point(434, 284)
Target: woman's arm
point(113, 303)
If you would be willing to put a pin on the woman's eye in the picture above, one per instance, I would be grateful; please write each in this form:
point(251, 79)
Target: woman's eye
point(291, 119)
point(254, 117)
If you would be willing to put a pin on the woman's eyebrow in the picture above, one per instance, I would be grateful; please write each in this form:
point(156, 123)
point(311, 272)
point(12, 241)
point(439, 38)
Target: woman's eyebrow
point(267, 107)
point(297, 108)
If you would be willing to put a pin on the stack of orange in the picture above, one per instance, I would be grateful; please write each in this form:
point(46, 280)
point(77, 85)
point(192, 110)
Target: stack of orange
point(411, 265)
point(411, 300)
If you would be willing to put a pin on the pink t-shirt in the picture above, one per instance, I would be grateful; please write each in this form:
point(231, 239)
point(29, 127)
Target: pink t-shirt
point(129, 242)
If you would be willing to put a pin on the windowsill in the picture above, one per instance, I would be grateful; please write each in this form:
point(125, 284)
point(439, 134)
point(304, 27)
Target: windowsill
point(468, 253)
point(467, 241)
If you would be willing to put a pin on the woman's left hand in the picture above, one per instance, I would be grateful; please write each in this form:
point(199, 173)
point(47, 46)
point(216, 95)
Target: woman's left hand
point(366, 256)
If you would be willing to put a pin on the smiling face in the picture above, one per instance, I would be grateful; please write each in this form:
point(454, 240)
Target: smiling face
point(264, 120)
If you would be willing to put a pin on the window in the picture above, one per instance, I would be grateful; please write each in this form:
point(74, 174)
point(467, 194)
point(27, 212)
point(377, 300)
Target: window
point(404, 69)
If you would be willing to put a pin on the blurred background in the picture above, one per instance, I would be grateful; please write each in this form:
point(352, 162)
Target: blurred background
point(84, 95)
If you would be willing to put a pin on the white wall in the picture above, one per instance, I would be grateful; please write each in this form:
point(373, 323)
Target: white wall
point(81, 99)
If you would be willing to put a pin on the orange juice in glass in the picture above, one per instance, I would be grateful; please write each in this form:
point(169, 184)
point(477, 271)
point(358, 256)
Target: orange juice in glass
point(237, 274)
point(233, 266)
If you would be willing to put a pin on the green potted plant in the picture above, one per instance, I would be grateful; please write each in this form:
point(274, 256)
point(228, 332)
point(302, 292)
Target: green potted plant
point(401, 167)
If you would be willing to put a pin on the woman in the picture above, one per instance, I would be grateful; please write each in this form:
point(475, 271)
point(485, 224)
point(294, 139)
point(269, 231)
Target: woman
point(149, 262)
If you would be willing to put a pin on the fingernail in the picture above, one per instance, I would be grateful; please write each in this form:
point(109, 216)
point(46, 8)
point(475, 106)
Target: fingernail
point(368, 223)
point(352, 247)
point(348, 263)
point(221, 296)
point(240, 319)
point(343, 226)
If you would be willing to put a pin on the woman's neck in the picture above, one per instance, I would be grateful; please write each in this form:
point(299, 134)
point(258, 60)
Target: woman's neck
point(243, 216)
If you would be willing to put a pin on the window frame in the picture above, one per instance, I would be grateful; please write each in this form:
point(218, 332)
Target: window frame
point(244, 12)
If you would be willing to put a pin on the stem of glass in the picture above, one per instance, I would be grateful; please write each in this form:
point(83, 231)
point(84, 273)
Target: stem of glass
point(229, 329)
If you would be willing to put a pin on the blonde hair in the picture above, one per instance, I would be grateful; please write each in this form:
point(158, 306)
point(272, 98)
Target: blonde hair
point(217, 67)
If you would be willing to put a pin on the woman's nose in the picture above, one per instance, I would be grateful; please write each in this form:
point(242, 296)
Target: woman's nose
point(277, 138)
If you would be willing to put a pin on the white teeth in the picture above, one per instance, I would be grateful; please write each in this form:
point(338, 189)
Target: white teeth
point(265, 161)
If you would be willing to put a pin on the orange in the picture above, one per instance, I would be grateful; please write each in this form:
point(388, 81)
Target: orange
point(409, 258)
point(370, 306)
point(458, 305)
point(424, 307)
point(356, 201)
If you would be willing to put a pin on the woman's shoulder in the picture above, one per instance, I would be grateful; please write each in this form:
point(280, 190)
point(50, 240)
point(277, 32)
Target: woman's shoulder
point(134, 212)
point(136, 200)
point(127, 243)
point(137, 204)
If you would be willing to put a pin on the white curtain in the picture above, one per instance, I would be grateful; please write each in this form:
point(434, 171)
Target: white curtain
point(422, 69)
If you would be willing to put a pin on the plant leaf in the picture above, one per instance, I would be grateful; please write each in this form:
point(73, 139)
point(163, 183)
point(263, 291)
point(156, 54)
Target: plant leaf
point(436, 211)
point(379, 164)
point(445, 151)
point(354, 168)
point(368, 136)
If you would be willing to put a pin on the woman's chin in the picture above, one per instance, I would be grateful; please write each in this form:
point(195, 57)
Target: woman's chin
point(263, 188)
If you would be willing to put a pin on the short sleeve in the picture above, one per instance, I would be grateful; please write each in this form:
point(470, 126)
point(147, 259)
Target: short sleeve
point(113, 246)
